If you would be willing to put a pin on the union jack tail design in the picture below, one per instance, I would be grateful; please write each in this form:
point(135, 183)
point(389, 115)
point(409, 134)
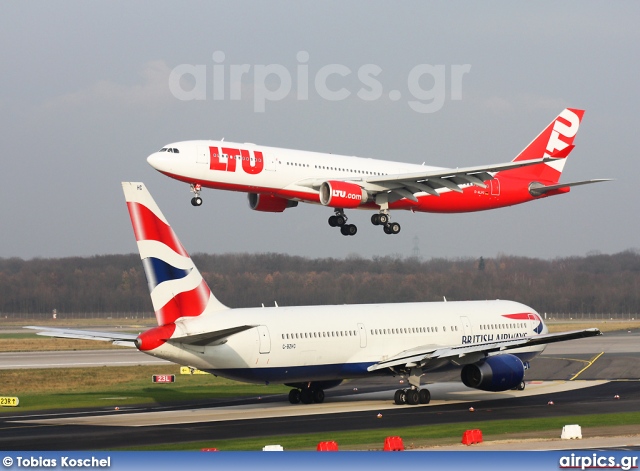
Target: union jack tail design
point(557, 141)
point(176, 286)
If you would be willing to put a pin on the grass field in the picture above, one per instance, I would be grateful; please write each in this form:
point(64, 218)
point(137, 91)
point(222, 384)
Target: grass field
point(109, 387)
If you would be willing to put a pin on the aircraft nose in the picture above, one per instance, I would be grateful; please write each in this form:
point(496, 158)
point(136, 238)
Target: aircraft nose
point(161, 161)
point(154, 160)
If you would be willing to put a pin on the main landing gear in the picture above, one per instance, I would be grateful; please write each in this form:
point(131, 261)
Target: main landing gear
point(195, 189)
point(413, 396)
point(382, 219)
point(306, 395)
point(340, 220)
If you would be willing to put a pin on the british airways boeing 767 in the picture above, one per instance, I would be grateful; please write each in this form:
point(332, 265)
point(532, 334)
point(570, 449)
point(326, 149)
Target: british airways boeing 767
point(313, 348)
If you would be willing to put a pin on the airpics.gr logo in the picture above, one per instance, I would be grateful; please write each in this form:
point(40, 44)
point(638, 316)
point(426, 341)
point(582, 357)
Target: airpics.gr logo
point(426, 87)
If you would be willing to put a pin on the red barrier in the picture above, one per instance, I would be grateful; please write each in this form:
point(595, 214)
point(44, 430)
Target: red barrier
point(327, 446)
point(393, 444)
point(470, 437)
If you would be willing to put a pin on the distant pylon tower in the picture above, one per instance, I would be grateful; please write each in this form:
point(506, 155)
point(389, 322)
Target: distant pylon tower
point(415, 252)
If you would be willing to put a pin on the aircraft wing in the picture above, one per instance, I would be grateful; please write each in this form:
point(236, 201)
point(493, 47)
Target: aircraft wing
point(421, 356)
point(129, 340)
point(404, 185)
point(121, 338)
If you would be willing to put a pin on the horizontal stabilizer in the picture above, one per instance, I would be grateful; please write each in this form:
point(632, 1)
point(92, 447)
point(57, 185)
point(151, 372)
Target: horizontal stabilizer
point(538, 189)
point(207, 338)
point(121, 338)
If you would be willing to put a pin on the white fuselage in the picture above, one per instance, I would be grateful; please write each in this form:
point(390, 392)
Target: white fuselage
point(282, 171)
point(293, 344)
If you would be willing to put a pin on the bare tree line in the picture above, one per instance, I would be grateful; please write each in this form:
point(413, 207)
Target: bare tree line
point(592, 284)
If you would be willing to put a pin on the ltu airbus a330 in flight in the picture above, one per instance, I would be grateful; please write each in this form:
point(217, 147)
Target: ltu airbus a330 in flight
point(314, 348)
point(276, 179)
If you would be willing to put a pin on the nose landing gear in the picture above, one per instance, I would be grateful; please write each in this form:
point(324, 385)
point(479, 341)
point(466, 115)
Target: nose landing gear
point(195, 189)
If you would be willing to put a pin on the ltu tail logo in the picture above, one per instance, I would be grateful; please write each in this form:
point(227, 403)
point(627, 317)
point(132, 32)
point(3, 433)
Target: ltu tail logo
point(556, 144)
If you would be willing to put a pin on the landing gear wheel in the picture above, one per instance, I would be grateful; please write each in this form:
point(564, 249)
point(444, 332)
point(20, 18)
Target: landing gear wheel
point(294, 396)
point(521, 386)
point(375, 219)
point(318, 396)
point(196, 201)
point(424, 396)
point(340, 220)
point(383, 218)
point(348, 230)
point(332, 221)
point(400, 397)
point(412, 397)
point(391, 228)
point(306, 396)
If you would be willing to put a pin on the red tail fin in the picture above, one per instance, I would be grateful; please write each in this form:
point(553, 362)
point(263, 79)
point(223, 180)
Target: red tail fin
point(556, 140)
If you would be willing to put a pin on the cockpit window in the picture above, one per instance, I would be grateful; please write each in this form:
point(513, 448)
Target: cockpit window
point(164, 149)
point(176, 151)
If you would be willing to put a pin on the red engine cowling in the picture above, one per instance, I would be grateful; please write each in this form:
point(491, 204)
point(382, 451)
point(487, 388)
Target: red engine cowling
point(339, 194)
point(269, 204)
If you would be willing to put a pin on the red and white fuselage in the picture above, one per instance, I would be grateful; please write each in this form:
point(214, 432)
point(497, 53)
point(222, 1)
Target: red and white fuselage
point(276, 178)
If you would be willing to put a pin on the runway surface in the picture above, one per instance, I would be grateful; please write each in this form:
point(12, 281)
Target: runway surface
point(592, 363)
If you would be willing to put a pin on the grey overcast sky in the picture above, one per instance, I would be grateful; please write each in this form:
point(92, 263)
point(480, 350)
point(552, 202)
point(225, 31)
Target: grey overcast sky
point(85, 98)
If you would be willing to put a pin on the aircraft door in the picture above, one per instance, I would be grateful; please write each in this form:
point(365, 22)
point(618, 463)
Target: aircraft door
point(495, 187)
point(265, 339)
point(269, 161)
point(202, 157)
point(363, 335)
point(466, 326)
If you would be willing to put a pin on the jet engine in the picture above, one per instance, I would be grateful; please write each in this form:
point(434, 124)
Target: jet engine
point(338, 194)
point(155, 337)
point(269, 204)
point(495, 373)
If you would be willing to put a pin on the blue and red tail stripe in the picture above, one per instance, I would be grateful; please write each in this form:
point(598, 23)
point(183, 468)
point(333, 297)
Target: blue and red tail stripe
point(158, 271)
point(177, 287)
point(147, 226)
